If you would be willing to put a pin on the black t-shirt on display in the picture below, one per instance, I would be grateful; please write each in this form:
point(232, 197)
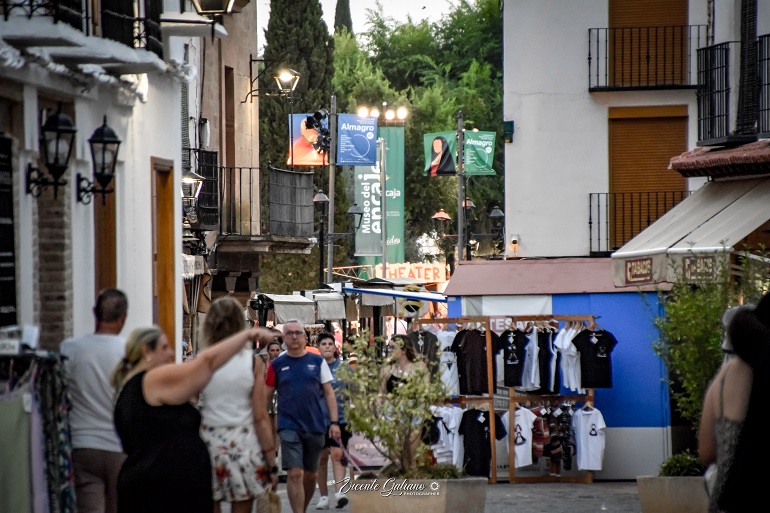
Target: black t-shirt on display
point(474, 427)
point(595, 362)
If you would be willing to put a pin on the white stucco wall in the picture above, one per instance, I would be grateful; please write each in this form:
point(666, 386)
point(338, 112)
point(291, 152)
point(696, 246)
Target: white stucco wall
point(559, 153)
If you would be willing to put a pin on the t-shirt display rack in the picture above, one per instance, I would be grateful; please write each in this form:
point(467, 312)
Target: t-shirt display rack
point(514, 398)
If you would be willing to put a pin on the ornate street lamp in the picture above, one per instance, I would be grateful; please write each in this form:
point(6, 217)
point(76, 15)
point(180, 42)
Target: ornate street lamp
point(56, 142)
point(104, 145)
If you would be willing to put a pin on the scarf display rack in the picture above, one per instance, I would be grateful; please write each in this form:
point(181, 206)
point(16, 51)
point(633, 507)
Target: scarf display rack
point(515, 398)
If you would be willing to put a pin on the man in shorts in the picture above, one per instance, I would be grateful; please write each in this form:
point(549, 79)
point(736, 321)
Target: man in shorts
point(303, 382)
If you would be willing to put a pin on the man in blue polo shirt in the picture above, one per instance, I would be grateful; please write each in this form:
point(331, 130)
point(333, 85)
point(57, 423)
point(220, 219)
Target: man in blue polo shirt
point(302, 380)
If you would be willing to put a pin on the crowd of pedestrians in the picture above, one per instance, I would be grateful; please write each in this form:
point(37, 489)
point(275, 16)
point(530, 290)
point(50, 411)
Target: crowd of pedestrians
point(152, 436)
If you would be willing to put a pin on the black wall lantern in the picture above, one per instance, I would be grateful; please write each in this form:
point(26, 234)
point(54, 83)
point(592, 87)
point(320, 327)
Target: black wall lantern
point(56, 142)
point(104, 145)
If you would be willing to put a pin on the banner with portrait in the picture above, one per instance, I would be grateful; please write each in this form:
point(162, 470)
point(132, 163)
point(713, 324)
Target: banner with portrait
point(440, 154)
point(304, 147)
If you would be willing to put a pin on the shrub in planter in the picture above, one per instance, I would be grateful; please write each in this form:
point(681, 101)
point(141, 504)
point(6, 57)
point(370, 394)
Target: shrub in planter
point(393, 421)
point(682, 464)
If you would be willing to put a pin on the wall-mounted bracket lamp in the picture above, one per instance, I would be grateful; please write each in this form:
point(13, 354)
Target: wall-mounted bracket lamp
point(104, 145)
point(56, 142)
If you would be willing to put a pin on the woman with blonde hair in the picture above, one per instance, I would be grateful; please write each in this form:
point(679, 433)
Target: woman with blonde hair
point(167, 469)
point(235, 425)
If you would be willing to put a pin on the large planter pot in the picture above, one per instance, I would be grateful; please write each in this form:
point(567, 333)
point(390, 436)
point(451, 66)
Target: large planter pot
point(398, 495)
point(672, 494)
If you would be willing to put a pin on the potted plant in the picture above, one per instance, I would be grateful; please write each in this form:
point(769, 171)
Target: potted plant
point(679, 487)
point(394, 423)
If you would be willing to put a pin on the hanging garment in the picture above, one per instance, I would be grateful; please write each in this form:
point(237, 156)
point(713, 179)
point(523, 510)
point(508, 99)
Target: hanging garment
point(15, 484)
point(570, 359)
point(530, 377)
point(523, 423)
point(595, 348)
point(589, 435)
point(427, 344)
point(476, 440)
point(447, 371)
point(514, 352)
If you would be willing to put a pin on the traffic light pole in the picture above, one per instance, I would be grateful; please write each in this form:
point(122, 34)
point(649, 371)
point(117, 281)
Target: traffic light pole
point(332, 173)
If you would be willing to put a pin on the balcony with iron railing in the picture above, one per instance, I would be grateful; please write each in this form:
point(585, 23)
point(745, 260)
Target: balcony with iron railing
point(135, 24)
point(72, 12)
point(643, 58)
point(616, 218)
point(763, 59)
point(229, 202)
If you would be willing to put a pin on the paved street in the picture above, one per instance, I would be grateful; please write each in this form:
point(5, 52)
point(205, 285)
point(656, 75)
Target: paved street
point(600, 496)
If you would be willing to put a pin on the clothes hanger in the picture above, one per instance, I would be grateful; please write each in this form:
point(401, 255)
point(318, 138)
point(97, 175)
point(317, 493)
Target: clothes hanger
point(587, 406)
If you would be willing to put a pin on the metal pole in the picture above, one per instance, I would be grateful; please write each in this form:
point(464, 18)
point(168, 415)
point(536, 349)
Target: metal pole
point(460, 189)
point(383, 210)
point(332, 172)
point(321, 242)
point(291, 127)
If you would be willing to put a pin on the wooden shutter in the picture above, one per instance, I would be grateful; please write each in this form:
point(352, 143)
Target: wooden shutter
point(649, 41)
point(642, 141)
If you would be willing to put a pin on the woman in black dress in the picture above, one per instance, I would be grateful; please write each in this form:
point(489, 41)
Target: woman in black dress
point(168, 469)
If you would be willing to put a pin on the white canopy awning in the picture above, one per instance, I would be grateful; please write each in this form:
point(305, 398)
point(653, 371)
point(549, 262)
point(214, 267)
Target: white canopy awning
point(287, 307)
point(696, 233)
point(330, 306)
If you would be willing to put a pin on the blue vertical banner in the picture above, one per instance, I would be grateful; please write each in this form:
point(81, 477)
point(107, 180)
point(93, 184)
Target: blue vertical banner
point(356, 140)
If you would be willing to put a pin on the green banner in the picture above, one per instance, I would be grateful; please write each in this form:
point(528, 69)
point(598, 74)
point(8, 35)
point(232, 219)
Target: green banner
point(478, 153)
point(440, 154)
point(368, 195)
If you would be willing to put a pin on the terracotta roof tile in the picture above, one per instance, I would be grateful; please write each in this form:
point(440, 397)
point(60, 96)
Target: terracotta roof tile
point(751, 158)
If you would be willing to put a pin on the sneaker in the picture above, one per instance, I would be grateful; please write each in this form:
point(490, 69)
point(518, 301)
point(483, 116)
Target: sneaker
point(323, 503)
point(342, 500)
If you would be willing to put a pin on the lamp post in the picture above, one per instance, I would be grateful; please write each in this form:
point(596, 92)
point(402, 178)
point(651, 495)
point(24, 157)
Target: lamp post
point(468, 207)
point(287, 80)
point(391, 120)
point(355, 214)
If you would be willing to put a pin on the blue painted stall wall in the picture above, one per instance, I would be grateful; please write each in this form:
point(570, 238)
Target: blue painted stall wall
point(639, 394)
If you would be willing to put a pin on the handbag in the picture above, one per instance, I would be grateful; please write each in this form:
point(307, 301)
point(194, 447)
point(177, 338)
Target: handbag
point(268, 502)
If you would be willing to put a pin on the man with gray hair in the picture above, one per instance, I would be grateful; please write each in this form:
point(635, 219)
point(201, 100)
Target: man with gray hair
point(302, 380)
point(97, 453)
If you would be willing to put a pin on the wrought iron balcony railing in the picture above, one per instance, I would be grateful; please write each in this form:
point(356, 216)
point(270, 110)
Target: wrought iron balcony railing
point(134, 23)
point(633, 58)
point(615, 218)
point(72, 12)
point(763, 57)
point(229, 200)
point(715, 63)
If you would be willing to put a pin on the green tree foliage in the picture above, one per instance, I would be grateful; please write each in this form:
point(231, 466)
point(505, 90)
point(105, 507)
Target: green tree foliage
point(296, 37)
point(690, 328)
point(342, 18)
point(442, 68)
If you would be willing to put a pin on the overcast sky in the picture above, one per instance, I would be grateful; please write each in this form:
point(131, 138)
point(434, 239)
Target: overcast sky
point(419, 10)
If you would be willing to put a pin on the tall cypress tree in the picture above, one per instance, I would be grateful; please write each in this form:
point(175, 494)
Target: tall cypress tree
point(296, 37)
point(342, 17)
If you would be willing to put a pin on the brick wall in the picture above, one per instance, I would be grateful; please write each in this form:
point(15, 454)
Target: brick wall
point(54, 269)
